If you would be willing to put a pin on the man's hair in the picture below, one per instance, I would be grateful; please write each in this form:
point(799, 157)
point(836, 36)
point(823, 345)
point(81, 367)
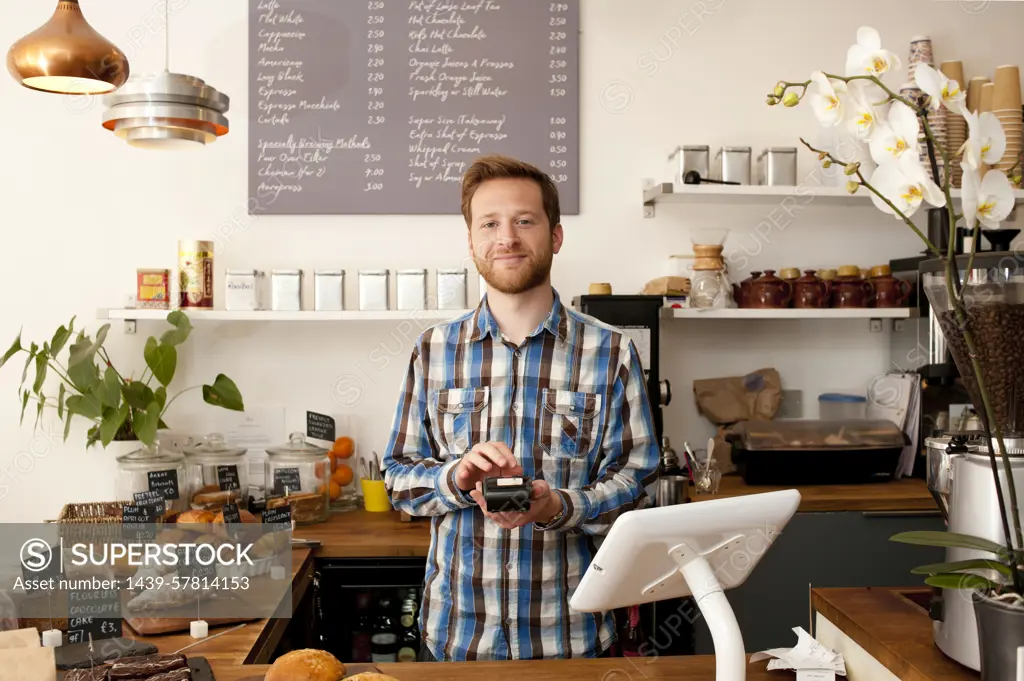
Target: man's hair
point(504, 167)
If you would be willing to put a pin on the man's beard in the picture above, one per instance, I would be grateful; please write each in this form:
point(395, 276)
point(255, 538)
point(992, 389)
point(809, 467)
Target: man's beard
point(530, 275)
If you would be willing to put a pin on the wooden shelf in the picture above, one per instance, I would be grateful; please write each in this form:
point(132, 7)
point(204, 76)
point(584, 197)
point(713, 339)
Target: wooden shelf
point(744, 313)
point(803, 195)
point(133, 314)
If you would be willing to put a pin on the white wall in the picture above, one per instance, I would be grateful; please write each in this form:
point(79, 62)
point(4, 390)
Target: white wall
point(81, 210)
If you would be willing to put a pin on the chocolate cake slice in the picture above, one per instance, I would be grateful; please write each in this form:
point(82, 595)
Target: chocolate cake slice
point(146, 666)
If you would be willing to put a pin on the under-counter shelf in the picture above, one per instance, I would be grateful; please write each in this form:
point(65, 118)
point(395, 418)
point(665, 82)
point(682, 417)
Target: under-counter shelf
point(752, 194)
point(791, 313)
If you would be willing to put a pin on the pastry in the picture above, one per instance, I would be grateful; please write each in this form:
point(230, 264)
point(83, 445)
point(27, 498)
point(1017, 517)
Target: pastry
point(94, 674)
point(183, 674)
point(199, 517)
point(145, 666)
point(245, 515)
point(371, 676)
point(306, 665)
point(213, 497)
point(306, 507)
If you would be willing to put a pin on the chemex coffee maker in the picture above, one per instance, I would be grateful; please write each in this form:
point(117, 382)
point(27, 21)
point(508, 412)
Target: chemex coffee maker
point(959, 471)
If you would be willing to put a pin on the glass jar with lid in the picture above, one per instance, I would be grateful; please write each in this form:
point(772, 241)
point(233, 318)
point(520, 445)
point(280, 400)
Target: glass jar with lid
point(218, 474)
point(152, 474)
point(299, 476)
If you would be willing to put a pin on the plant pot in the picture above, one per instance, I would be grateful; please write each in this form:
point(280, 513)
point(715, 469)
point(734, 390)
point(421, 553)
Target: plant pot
point(1000, 633)
point(993, 294)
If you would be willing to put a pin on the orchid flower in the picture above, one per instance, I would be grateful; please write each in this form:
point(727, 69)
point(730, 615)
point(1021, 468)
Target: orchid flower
point(987, 201)
point(867, 57)
point(896, 137)
point(940, 90)
point(986, 140)
point(907, 185)
point(861, 116)
point(825, 98)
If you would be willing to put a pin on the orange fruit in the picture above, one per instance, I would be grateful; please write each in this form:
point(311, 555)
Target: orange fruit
point(344, 447)
point(343, 475)
point(334, 460)
point(334, 491)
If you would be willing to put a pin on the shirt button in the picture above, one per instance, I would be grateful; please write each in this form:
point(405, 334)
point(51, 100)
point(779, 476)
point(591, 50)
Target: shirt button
point(508, 566)
point(515, 407)
point(460, 405)
point(570, 408)
point(508, 620)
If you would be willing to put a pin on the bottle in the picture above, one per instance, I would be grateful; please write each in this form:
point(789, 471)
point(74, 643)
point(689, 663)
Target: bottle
point(384, 641)
point(669, 459)
point(633, 636)
point(363, 629)
point(409, 638)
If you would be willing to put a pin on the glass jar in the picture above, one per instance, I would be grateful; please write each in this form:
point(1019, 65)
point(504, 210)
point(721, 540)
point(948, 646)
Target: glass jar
point(218, 474)
point(708, 289)
point(298, 475)
point(151, 471)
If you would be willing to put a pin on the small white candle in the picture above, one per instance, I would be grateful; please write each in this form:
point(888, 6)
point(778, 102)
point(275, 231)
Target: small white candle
point(199, 629)
point(1020, 663)
point(53, 638)
point(277, 572)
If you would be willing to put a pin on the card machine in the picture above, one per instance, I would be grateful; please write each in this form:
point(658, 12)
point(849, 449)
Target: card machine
point(508, 495)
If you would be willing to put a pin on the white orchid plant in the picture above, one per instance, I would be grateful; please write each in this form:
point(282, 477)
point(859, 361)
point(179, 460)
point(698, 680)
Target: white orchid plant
point(884, 126)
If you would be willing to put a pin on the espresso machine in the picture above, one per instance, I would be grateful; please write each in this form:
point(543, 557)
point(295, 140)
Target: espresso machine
point(959, 472)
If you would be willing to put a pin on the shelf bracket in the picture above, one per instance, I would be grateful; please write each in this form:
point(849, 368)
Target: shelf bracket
point(130, 327)
point(651, 190)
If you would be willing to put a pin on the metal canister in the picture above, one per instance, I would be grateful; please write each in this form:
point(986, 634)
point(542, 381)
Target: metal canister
point(195, 274)
point(451, 290)
point(373, 290)
point(329, 290)
point(732, 164)
point(412, 289)
point(777, 166)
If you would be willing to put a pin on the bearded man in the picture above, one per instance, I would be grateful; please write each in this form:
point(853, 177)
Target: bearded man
point(522, 386)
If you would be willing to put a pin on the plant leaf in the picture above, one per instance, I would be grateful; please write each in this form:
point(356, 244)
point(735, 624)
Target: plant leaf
point(162, 425)
point(958, 580)
point(67, 427)
point(85, 405)
point(160, 395)
point(108, 391)
point(137, 395)
point(958, 566)
point(146, 422)
point(60, 338)
point(84, 350)
point(39, 409)
point(28, 362)
point(161, 360)
point(13, 350)
point(182, 328)
point(84, 375)
point(948, 539)
point(113, 419)
point(223, 393)
point(42, 360)
point(24, 403)
point(60, 401)
point(92, 437)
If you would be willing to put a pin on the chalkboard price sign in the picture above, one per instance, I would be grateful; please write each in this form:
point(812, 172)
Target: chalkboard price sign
point(165, 482)
point(381, 107)
point(279, 518)
point(189, 567)
point(227, 478)
point(320, 426)
point(152, 498)
point(286, 481)
point(94, 612)
point(232, 519)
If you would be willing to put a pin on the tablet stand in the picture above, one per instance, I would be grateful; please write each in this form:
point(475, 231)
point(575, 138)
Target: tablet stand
point(693, 565)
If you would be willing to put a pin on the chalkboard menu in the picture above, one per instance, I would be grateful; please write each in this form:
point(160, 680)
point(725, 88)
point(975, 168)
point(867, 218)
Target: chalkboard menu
point(380, 106)
point(94, 612)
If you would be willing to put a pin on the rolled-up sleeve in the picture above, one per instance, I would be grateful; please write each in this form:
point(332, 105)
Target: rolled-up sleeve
point(629, 457)
point(416, 480)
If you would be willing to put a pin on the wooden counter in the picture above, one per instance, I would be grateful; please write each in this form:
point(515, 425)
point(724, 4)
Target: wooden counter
point(892, 629)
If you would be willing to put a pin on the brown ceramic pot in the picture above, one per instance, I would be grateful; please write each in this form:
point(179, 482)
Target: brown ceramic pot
point(890, 291)
point(741, 291)
point(769, 292)
point(850, 289)
point(811, 292)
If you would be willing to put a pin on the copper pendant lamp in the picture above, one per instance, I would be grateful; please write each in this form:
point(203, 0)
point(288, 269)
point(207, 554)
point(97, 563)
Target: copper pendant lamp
point(167, 110)
point(67, 56)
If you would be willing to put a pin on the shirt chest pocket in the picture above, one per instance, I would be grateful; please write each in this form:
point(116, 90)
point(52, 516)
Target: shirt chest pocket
point(570, 423)
point(463, 416)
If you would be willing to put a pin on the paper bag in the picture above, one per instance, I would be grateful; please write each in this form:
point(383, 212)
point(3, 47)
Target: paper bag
point(28, 664)
point(727, 401)
point(20, 638)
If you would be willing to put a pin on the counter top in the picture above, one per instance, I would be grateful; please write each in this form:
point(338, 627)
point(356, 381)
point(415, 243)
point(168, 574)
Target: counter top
point(893, 629)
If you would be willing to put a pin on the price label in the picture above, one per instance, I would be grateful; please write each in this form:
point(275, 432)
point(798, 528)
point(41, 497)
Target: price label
point(165, 482)
point(227, 478)
point(286, 481)
point(154, 499)
point(189, 566)
point(280, 516)
point(232, 519)
point(94, 612)
point(320, 426)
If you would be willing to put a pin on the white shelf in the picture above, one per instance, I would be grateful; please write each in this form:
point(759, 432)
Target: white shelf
point(791, 313)
point(803, 195)
point(131, 314)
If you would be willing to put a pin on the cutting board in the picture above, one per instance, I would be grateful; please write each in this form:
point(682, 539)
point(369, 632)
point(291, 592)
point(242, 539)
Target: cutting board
point(350, 670)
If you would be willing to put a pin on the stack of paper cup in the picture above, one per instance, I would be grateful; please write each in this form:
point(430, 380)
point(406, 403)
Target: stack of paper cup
point(921, 53)
point(1006, 105)
point(985, 106)
point(956, 125)
point(974, 94)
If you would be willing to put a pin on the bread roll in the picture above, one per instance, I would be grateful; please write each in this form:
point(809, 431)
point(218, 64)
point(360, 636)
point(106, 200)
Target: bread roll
point(371, 676)
point(198, 517)
point(306, 665)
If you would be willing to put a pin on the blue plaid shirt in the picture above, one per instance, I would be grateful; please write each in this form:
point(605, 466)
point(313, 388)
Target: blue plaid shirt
point(571, 403)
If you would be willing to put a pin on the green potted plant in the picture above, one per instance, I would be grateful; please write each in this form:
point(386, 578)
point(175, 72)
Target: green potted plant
point(120, 407)
point(879, 131)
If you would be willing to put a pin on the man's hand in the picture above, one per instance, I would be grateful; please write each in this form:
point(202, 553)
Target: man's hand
point(485, 460)
point(544, 505)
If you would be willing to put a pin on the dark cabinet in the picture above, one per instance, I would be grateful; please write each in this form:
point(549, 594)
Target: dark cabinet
point(823, 550)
